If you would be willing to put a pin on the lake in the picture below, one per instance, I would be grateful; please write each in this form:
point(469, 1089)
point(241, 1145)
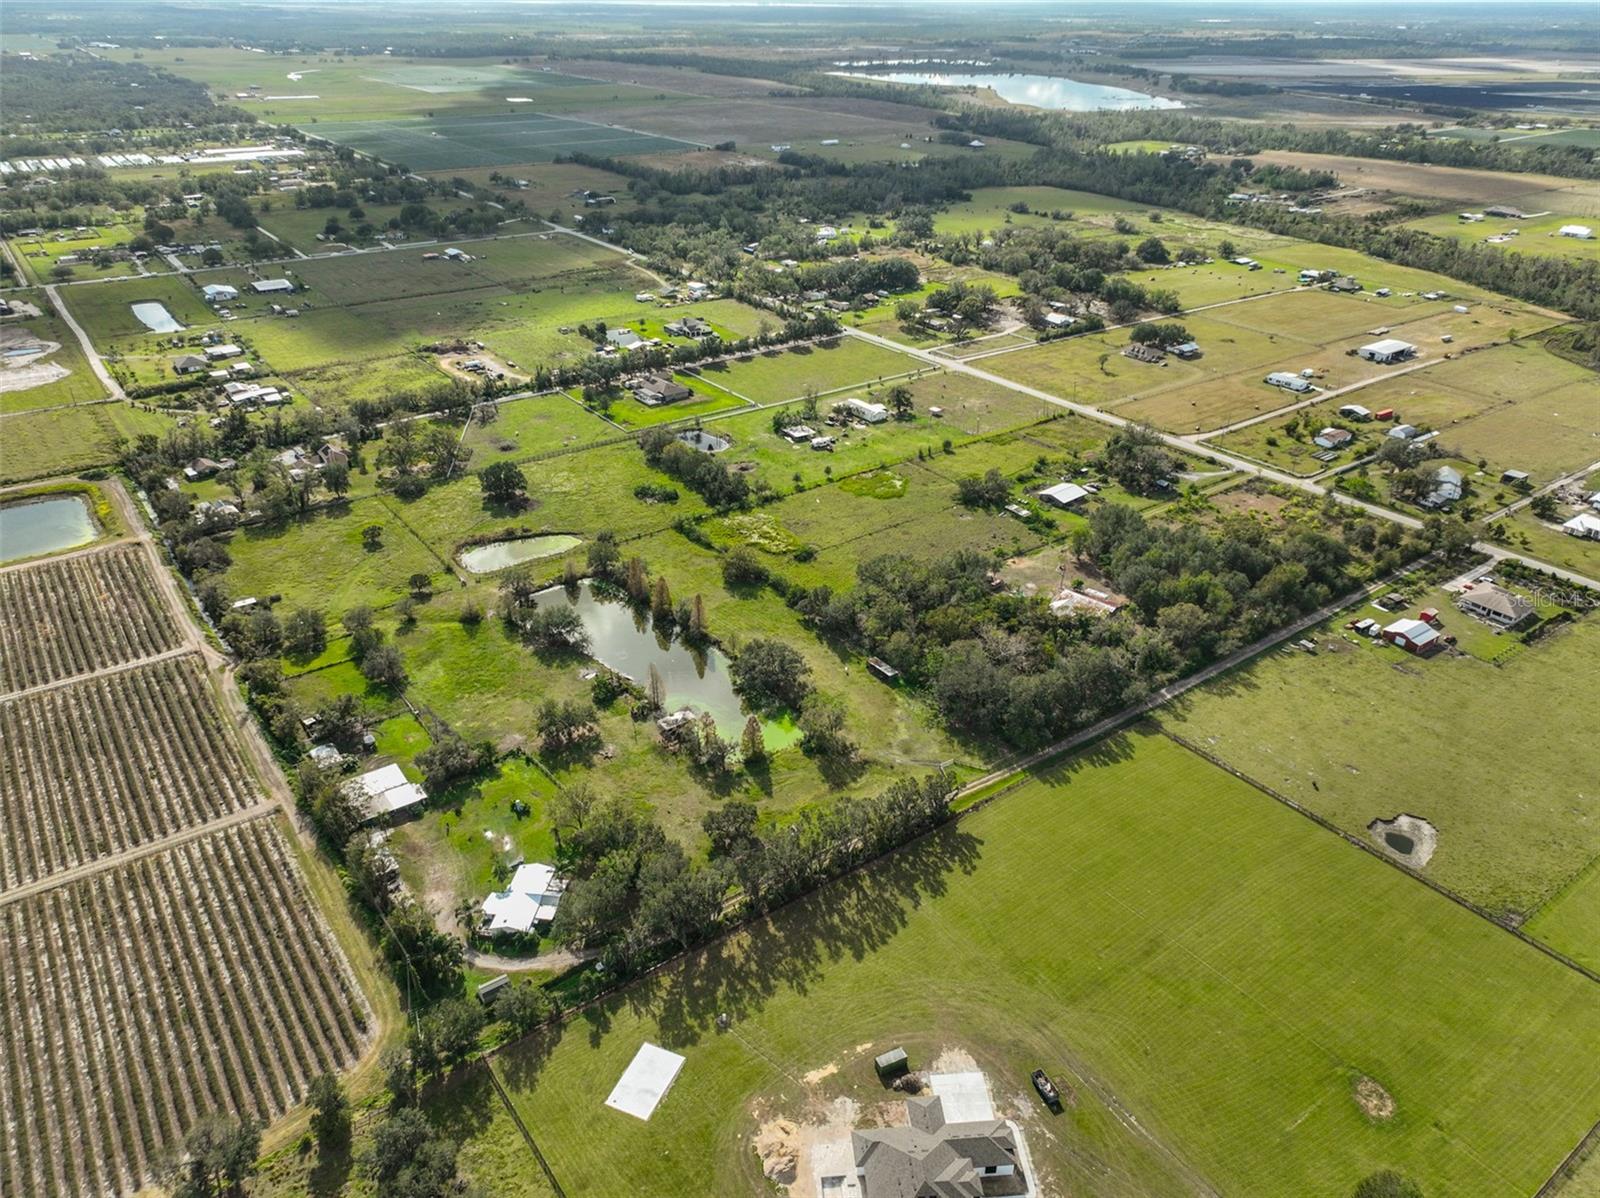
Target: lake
point(1036, 91)
point(497, 555)
point(155, 317)
point(624, 640)
point(45, 525)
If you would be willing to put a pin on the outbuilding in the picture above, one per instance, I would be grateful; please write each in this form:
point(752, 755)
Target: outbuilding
point(1581, 232)
point(1064, 495)
point(1413, 636)
point(1388, 351)
point(1287, 380)
point(1354, 411)
point(867, 413)
point(268, 286)
point(218, 293)
point(1333, 438)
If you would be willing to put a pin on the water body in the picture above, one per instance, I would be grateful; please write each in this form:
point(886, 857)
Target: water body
point(624, 640)
point(498, 555)
point(1036, 91)
point(155, 317)
point(46, 525)
point(705, 442)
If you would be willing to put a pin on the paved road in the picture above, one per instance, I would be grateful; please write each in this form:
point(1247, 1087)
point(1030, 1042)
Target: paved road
point(1518, 505)
point(1189, 446)
point(89, 351)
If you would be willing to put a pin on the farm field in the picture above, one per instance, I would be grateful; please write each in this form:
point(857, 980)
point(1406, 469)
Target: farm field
point(1129, 933)
point(70, 617)
point(48, 442)
point(489, 139)
point(126, 1019)
point(80, 784)
point(1474, 188)
point(1325, 731)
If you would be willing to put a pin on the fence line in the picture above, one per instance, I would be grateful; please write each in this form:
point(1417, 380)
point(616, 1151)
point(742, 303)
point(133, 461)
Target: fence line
point(527, 1135)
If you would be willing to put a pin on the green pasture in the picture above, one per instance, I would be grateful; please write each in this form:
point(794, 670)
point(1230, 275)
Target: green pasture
point(105, 310)
point(48, 441)
point(1538, 236)
point(1362, 731)
point(1104, 924)
point(771, 376)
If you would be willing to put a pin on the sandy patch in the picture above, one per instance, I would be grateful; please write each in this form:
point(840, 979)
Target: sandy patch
point(818, 1075)
point(36, 374)
point(777, 1143)
point(1407, 838)
point(1375, 1102)
point(954, 1060)
point(20, 308)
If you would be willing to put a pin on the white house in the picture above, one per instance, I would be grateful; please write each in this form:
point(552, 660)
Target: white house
point(219, 293)
point(384, 793)
point(530, 899)
point(624, 338)
point(217, 352)
point(1583, 525)
point(267, 286)
point(867, 413)
point(1582, 232)
point(1064, 495)
point(1447, 484)
point(1287, 380)
point(1388, 351)
point(1333, 438)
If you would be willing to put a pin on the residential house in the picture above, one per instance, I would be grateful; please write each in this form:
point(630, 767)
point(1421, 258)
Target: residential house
point(528, 901)
point(797, 432)
point(1583, 525)
point(1413, 636)
point(1494, 604)
point(1288, 381)
point(654, 389)
point(218, 352)
point(1388, 351)
point(219, 293)
point(1333, 438)
point(384, 794)
point(624, 339)
point(1447, 488)
point(1057, 320)
point(1581, 232)
point(688, 326)
point(189, 364)
point(457, 255)
point(860, 409)
point(1088, 600)
point(269, 286)
point(931, 1158)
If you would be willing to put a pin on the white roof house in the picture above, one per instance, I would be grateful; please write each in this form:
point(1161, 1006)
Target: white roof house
point(1286, 380)
point(624, 338)
point(1584, 232)
point(384, 792)
point(1063, 494)
point(1447, 487)
point(218, 292)
point(265, 286)
point(871, 413)
point(216, 352)
point(1583, 525)
point(530, 899)
point(1390, 349)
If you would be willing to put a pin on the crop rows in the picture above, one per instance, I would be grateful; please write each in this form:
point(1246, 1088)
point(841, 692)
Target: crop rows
point(99, 766)
point(138, 1001)
point(69, 617)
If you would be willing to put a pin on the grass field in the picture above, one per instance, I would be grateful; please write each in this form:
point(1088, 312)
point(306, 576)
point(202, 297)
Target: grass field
point(1474, 188)
point(1362, 732)
point(488, 139)
point(1537, 236)
point(1145, 947)
point(41, 443)
point(775, 375)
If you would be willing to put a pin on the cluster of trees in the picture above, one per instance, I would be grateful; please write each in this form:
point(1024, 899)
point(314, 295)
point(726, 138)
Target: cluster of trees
point(850, 278)
point(1050, 262)
point(82, 93)
point(702, 473)
point(636, 895)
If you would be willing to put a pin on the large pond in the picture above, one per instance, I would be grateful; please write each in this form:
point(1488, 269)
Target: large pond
point(623, 639)
point(498, 555)
point(155, 317)
point(46, 525)
point(1037, 91)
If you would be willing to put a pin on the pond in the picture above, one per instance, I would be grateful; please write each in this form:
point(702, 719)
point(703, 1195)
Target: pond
point(1036, 91)
point(498, 555)
point(697, 438)
point(155, 317)
point(623, 640)
point(45, 525)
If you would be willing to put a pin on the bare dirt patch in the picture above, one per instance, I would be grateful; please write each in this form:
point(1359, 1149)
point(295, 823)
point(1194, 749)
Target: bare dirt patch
point(1375, 1102)
point(1244, 499)
point(1407, 838)
point(816, 1076)
point(1421, 179)
point(954, 1060)
point(778, 1145)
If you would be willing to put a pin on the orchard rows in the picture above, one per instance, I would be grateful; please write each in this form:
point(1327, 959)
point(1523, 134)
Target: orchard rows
point(137, 1001)
point(60, 619)
point(98, 766)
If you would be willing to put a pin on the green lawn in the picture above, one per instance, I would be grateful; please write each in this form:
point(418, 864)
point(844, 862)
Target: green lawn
point(774, 375)
point(1538, 236)
point(1225, 968)
point(1362, 732)
point(41, 443)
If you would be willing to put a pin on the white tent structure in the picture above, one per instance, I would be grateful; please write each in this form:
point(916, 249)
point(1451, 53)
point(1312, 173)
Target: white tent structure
point(645, 1082)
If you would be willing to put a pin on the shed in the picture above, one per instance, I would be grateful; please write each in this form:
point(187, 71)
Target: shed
point(1514, 477)
point(882, 670)
point(1413, 636)
point(892, 1063)
point(1404, 432)
point(1581, 232)
point(1188, 349)
point(267, 286)
point(490, 990)
point(217, 293)
point(1064, 495)
point(1354, 411)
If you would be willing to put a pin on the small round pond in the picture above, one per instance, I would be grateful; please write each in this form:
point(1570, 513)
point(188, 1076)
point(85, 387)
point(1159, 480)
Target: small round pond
point(698, 438)
point(47, 524)
point(500, 555)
